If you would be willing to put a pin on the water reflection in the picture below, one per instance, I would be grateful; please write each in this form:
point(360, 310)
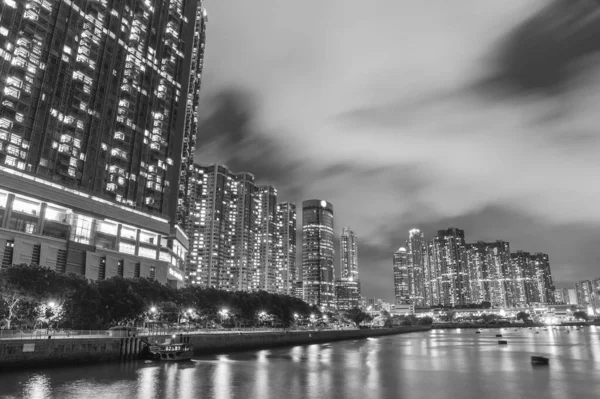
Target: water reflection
point(424, 365)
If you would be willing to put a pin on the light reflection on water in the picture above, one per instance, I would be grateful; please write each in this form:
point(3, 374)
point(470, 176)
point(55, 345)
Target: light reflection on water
point(439, 363)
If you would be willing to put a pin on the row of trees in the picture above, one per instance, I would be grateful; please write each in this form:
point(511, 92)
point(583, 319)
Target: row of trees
point(35, 296)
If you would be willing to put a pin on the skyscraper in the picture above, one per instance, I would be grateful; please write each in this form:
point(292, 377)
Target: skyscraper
point(91, 133)
point(241, 238)
point(222, 229)
point(526, 278)
point(348, 255)
point(584, 293)
point(449, 248)
point(416, 246)
point(401, 277)
point(348, 287)
point(286, 262)
point(544, 276)
point(267, 275)
point(192, 101)
point(318, 253)
point(432, 273)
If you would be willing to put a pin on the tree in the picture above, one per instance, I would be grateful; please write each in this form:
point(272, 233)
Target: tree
point(425, 321)
point(21, 283)
point(523, 316)
point(580, 315)
point(357, 316)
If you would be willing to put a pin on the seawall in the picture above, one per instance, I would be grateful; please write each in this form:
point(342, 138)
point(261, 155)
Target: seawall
point(21, 354)
point(216, 343)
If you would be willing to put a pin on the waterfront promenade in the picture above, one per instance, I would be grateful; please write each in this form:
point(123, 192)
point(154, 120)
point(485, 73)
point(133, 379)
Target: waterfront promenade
point(63, 350)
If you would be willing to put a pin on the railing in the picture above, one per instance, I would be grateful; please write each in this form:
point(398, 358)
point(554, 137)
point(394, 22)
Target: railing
point(152, 332)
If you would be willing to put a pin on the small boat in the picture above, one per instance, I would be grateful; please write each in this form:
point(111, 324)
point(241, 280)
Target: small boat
point(169, 352)
point(503, 342)
point(477, 332)
point(539, 360)
point(498, 335)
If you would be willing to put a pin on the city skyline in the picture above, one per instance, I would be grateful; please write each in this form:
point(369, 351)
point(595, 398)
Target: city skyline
point(506, 149)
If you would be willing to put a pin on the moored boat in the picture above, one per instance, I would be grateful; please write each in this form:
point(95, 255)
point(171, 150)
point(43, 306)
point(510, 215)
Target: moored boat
point(169, 352)
point(541, 360)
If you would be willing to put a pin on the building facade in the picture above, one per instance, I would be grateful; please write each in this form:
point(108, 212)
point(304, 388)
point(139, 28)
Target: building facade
point(453, 276)
point(401, 277)
point(91, 129)
point(185, 200)
point(318, 253)
point(541, 262)
point(526, 278)
point(286, 259)
point(456, 273)
point(240, 237)
point(416, 247)
point(348, 287)
point(585, 293)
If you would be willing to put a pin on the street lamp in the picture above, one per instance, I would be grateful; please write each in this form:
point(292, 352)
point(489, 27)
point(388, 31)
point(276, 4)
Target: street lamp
point(189, 315)
point(153, 309)
point(223, 314)
point(51, 304)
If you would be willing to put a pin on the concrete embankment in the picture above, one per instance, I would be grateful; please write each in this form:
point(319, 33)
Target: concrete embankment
point(55, 352)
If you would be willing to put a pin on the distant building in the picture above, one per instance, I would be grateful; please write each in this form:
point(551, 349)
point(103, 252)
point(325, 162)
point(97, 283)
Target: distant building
point(348, 287)
point(570, 296)
point(401, 277)
point(267, 276)
point(544, 276)
point(238, 239)
point(585, 293)
point(526, 277)
point(347, 296)
point(318, 253)
point(286, 260)
point(452, 273)
point(299, 290)
point(416, 251)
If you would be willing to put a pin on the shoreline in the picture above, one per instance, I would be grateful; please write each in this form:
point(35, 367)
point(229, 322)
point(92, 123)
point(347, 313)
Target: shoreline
point(34, 354)
point(507, 325)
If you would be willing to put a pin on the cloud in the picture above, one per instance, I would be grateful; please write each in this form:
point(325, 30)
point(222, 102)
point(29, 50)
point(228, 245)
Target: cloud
point(418, 114)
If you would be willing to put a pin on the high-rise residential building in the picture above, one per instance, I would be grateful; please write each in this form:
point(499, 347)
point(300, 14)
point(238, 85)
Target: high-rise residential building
point(318, 253)
point(185, 201)
point(526, 278)
point(416, 250)
point(286, 260)
point(584, 291)
point(348, 287)
point(241, 238)
point(348, 255)
point(499, 267)
point(453, 276)
point(91, 133)
point(222, 228)
point(544, 276)
point(432, 273)
point(401, 277)
point(268, 277)
point(596, 295)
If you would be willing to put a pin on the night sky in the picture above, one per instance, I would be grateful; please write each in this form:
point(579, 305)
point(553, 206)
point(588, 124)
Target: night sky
point(477, 114)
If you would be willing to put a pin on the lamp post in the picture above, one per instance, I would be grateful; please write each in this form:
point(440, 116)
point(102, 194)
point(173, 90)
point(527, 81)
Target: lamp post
point(223, 313)
point(153, 311)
